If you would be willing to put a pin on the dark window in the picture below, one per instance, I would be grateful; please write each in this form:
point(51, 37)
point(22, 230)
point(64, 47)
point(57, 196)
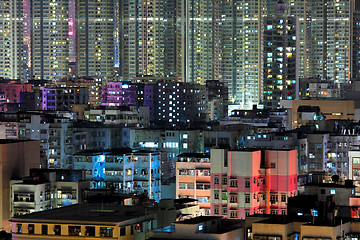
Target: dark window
point(44, 229)
point(31, 229)
point(89, 231)
point(74, 230)
point(216, 194)
point(233, 183)
point(122, 231)
point(224, 180)
point(322, 191)
point(57, 229)
point(247, 182)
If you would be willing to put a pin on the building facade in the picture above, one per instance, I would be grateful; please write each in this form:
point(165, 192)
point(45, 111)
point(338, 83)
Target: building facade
point(193, 179)
point(124, 171)
point(95, 38)
point(16, 160)
point(11, 38)
point(247, 182)
point(281, 73)
point(50, 39)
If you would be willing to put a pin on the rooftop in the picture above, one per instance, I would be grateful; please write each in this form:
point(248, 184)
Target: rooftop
point(332, 185)
point(115, 151)
point(8, 141)
point(195, 155)
point(199, 219)
point(86, 213)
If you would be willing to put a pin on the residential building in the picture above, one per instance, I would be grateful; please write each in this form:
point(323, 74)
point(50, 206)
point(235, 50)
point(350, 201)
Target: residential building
point(332, 29)
point(13, 91)
point(122, 170)
point(354, 169)
point(124, 116)
point(281, 74)
point(317, 150)
point(142, 38)
point(258, 118)
point(338, 149)
point(282, 140)
point(242, 47)
point(193, 179)
point(11, 35)
point(108, 221)
point(251, 181)
point(61, 98)
point(217, 98)
point(323, 90)
point(179, 102)
point(50, 39)
point(281, 227)
point(309, 111)
point(16, 160)
point(93, 85)
point(45, 191)
point(119, 93)
point(28, 196)
point(58, 140)
point(169, 100)
point(198, 40)
point(100, 136)
point(95, 38)
point(203, 227)
point(172, 142)
point(321, 200)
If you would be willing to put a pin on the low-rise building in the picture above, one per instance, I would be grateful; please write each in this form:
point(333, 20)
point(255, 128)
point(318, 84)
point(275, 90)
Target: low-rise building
point(122, 170)
point(61, 98)
point(86, 221)
point(46, 189)
point(250, 181)
point(272, 227)
point(326, 200)
point(124, 116)
point(16, 159)
point(302, 112)
point(193, 179)
point(203, 227)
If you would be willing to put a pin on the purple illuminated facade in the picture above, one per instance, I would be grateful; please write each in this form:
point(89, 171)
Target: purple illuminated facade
point(119, 93)
point(48, 99)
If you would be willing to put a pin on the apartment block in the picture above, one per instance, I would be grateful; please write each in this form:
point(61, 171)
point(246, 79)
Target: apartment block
point(247, 181)
point(123, 170)
point(16, 160)
point(38, 193)
point(86, 221)
point(193, 179)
